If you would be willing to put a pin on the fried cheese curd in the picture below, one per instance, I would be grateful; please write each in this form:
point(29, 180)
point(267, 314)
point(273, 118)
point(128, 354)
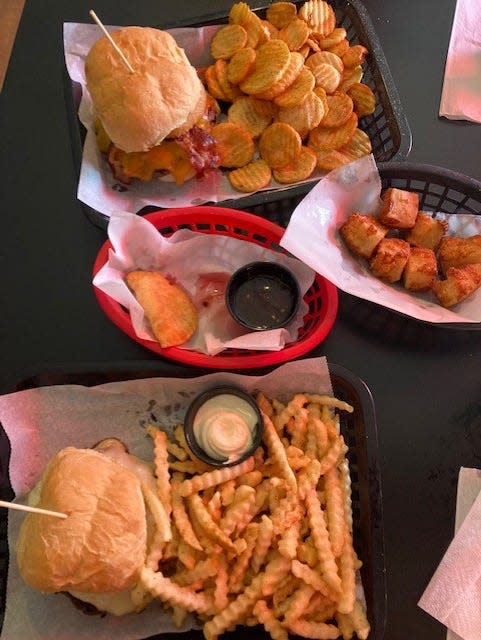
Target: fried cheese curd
point(405, 245)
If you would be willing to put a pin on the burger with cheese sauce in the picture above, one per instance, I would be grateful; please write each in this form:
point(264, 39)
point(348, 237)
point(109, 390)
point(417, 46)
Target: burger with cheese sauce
point(96, 554)
point(154, 120)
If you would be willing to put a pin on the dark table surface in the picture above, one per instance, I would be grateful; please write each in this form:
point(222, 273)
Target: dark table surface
point(425, 380)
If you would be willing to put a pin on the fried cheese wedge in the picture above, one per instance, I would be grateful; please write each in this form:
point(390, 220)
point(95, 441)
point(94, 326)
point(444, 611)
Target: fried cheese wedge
point(460, 283)
point(171, 313)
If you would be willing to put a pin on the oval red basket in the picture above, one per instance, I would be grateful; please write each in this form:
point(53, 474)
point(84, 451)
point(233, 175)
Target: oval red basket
point(321, 298)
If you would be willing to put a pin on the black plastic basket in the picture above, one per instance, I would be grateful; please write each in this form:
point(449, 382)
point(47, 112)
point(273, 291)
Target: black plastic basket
point(360, 432)
point(387, 127)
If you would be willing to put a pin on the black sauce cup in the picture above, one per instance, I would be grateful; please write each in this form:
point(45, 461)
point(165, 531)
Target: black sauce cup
point(263, 295)
point(194, 407)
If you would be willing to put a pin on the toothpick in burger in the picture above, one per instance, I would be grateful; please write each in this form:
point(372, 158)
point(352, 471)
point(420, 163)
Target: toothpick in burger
point(95, 555)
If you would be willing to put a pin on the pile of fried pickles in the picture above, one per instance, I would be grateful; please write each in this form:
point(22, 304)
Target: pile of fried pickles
point(291, 86)
point(267, 541)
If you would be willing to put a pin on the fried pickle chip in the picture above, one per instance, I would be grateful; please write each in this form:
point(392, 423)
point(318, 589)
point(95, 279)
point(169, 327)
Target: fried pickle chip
point(340, 108)
point(227, 41)
point(363, 98)
point(359, 145)
point(169, 310)
point(299, 169)
point(281, 13)
point(319, 15)
point(355, 55)
point(231, 91)
point(257, 34)
point(325, 57)
point(321, 93)
point(239, 13)
point(235, 145)
point(295, 94)
point(351, 76)
point(293, 69)
point(213, 85)
point(327, 160)
point(241, 64)
point(251, 114)
point(340, 48)
point(295, 34)
point(322, 138)
point(305, 116)
point(326, 76)
point(335, 37)
point(252, 177)
point(270, 28)
point(272, 60)
point(279, 144)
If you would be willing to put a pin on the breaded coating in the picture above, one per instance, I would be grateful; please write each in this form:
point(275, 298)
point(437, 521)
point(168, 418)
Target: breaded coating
point(390, 259)
point(427, 231)
point(170, 312)
point(399, 208)
point(362, 234)
point(460, 283)
point(421, 269)
point(456, 252)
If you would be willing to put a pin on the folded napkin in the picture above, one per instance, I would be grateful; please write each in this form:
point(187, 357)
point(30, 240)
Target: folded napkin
point(453, 595)
point(461, 94)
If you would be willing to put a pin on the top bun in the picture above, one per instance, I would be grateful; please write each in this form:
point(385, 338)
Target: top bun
point(101, 546)
point(138, 110)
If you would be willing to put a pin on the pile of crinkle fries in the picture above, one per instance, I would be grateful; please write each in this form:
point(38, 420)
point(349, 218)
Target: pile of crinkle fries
point(268, 541)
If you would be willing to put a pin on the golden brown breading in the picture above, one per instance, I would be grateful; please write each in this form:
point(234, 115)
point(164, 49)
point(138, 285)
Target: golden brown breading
point(427, 231)
point(399, 208)
point(170, 312)
point(421, 269)
point(362, 234)
point(456, 252)
point(390, 259)
point(460, 283)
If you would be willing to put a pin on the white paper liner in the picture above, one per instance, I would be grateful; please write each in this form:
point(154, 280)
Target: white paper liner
point(41, 421)
point(97, 188)
point(461, 94)
point(187, 258)
point(453, 593)
point(313, 236)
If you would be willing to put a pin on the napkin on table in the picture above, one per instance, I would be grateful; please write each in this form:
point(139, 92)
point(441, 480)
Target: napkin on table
point(461, 94)
point(453, 595)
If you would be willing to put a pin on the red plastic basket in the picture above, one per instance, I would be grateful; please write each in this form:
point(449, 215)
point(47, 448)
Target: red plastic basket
point(321, 298)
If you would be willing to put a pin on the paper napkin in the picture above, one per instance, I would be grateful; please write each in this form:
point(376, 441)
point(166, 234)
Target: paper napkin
point(461, 94)
point(453, 595)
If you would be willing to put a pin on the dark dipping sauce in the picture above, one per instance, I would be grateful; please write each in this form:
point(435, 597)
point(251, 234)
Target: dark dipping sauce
point(264, 302)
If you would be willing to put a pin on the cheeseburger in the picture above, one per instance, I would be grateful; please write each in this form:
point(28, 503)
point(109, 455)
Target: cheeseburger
point(156, 118)
point(97, 552)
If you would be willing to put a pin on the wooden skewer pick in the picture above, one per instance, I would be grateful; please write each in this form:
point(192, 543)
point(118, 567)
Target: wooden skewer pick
point(23, 507)
point(115, 46)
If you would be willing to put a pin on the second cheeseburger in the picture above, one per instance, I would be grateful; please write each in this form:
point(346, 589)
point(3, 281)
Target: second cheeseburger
point(155, 118)
point(95, 554)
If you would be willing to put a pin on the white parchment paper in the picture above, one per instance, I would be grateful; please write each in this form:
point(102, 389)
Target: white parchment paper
point(97, 187)
point(188, 258)
point(453, 594)
point(313, 236)
point(41, 421)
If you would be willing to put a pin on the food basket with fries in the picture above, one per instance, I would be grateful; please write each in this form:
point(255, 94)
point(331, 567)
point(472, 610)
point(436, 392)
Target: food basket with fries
point(356, 427)
point(384, 126)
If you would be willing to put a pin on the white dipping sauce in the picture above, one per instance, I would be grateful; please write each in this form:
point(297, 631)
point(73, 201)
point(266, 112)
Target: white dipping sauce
point(224, 427)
